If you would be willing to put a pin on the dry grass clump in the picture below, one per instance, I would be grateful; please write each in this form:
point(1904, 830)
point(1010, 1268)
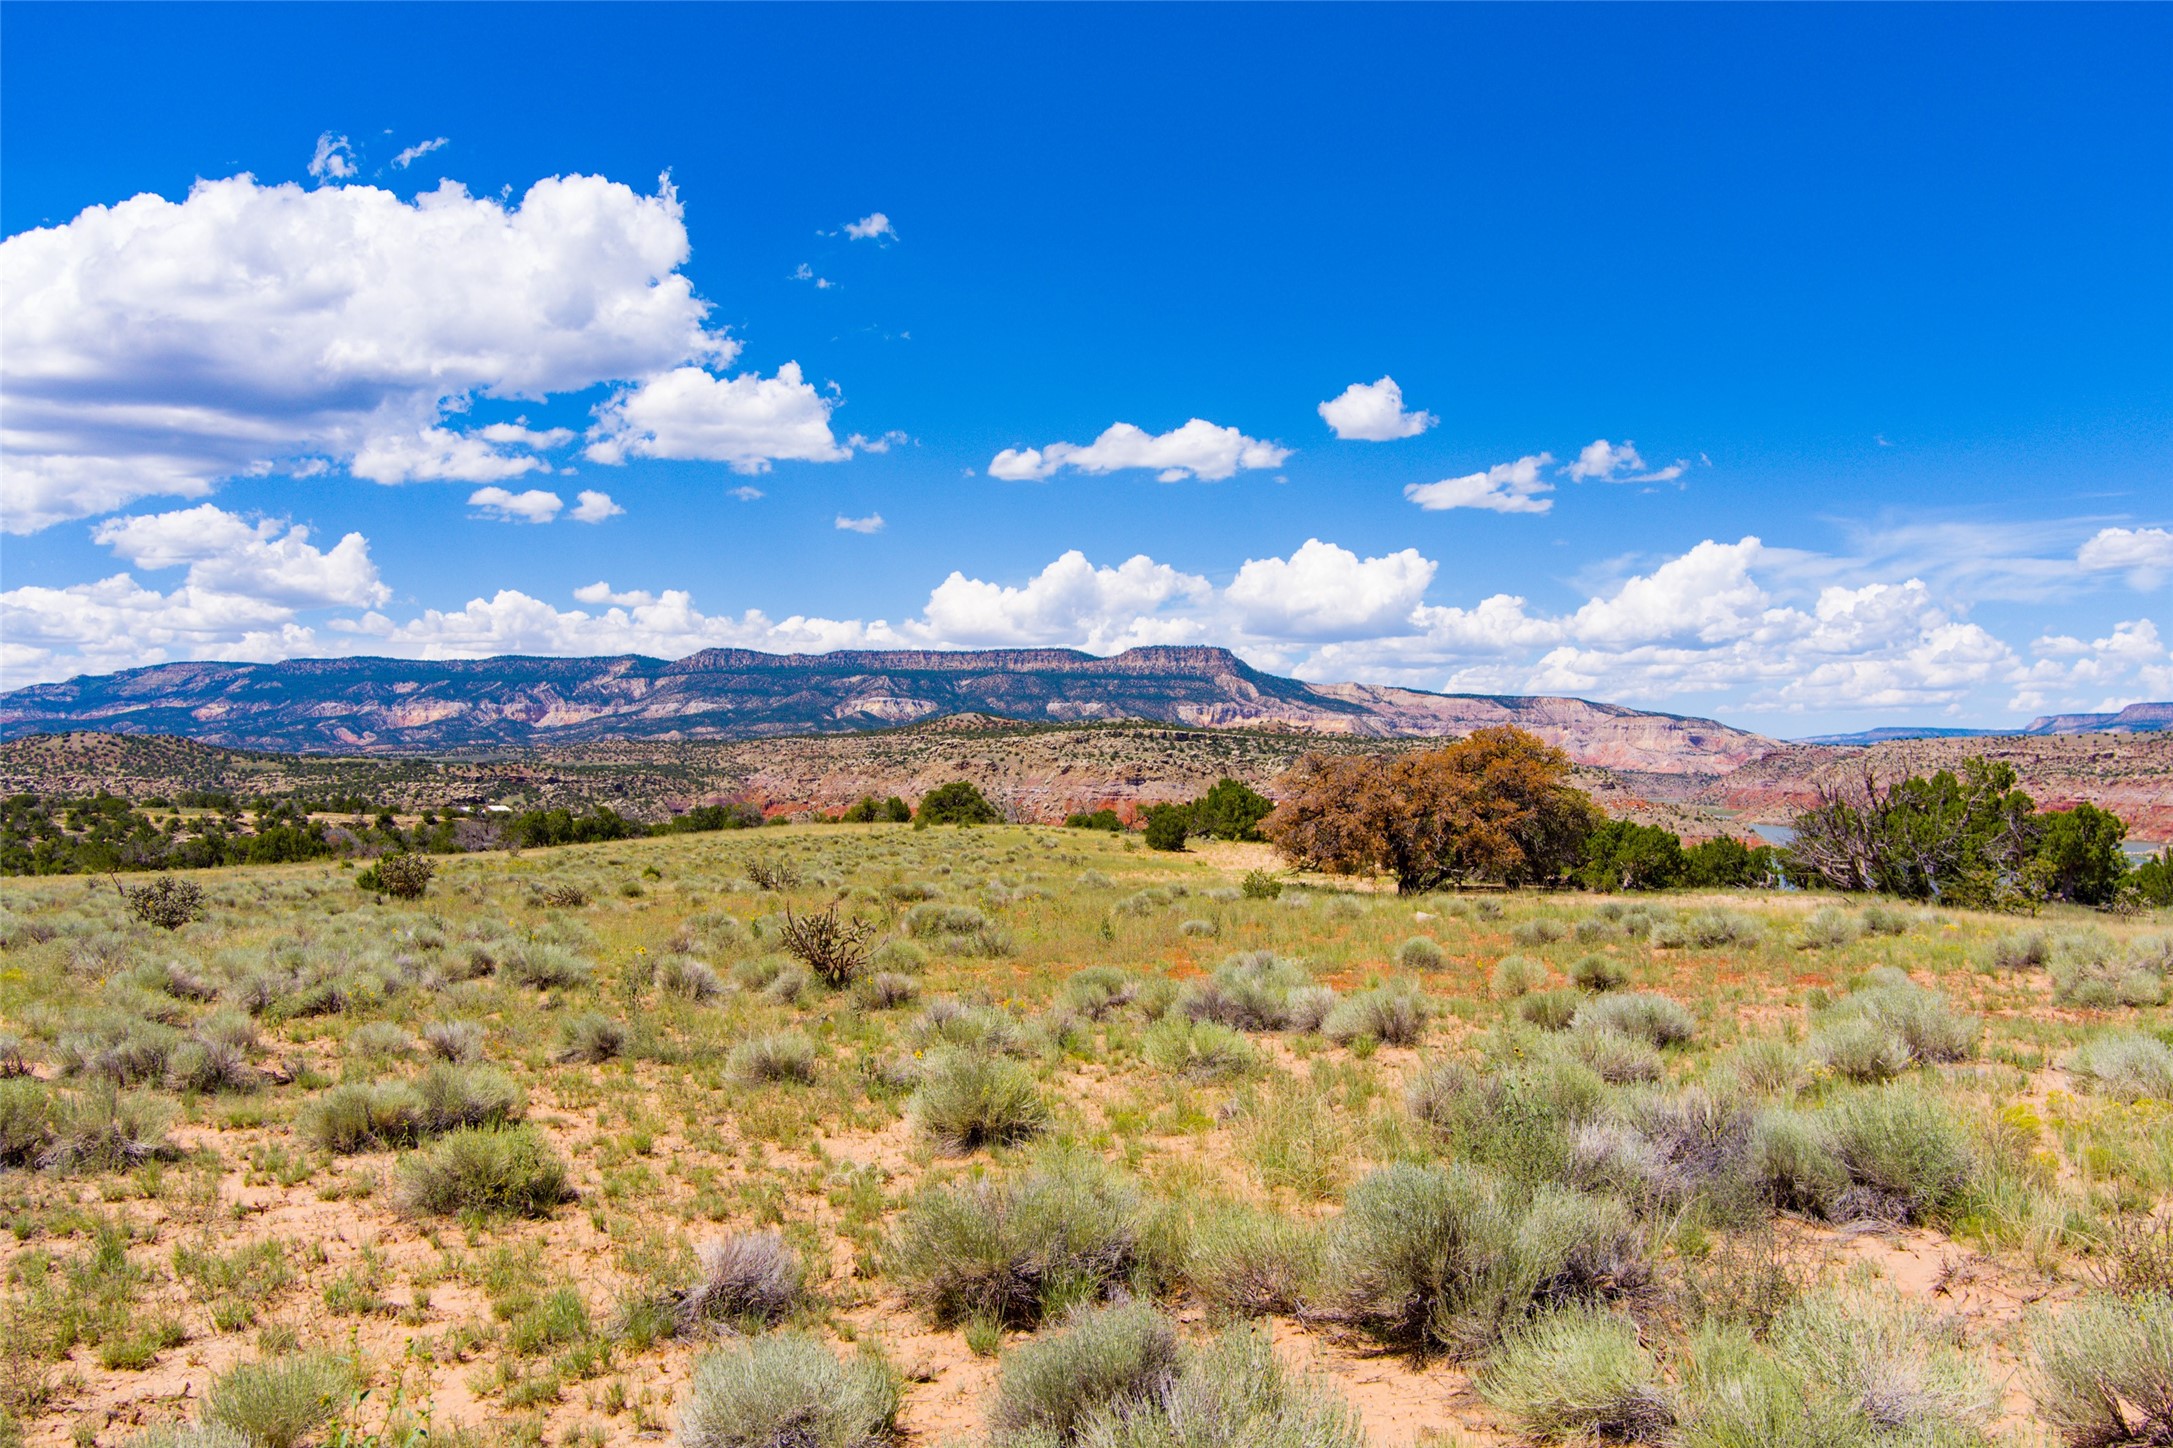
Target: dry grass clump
point(775, 1056)
point(485, 1171)
point(590, 1038)
point(787, 1390)
point(1579, 1376)
point(280, 1403)
point(749, 1281)
point(1517, 975)
point(1449, 1258)
point(1015, 1249)
point(2125, 1065)
point(1653, 1019)
point(1120, 1377)
point(2103, 1370)
point(968, 1099)
point(1248, 992)
point(1599, 973)
point(1248, 1261)
point(1198, 1050)
point(1393, 1015)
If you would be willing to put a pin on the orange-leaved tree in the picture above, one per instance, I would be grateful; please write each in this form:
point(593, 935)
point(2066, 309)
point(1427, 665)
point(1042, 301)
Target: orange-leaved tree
point(1496, 806)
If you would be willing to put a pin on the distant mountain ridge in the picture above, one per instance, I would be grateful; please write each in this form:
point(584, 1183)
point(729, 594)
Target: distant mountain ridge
point(378, 705)
point(2135, 719)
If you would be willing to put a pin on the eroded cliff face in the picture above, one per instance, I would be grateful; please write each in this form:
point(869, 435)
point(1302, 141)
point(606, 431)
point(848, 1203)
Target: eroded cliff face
point(388, 705)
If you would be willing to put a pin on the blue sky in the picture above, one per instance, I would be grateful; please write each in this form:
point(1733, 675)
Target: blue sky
point(1881, 297)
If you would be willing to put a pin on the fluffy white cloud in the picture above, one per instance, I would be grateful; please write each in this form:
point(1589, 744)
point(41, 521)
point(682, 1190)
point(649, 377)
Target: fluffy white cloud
point(158, 347)
point(533, 506)
point(872, 227)
point(1374, 412)
point(1199, 449)
point(2131, 663)
point(1504, 488)
point(662, 625)
point(1323, 591)
point(746, 493)
point(245, 584)
point(747, 421)
point(333, 160)
point(2145, 553)
point(805, 273)
point(873, 523)
point(1070, 602)
point(1707, 593)
point(1602, 461)
point(591, 506)
point(410, 155)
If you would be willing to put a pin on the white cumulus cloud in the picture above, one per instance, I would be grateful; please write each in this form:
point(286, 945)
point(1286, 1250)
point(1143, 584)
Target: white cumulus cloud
point(591, 506)
point(1373, 412)
point(1199, 449)
point(159, 347)
point(873, 523)
point(1323, 590)
point(1070, 602)
point(1504, 488)
point(747, 421)
point(2145, 554)
point(534, 506)
point(1601, 461)
point(872, 227)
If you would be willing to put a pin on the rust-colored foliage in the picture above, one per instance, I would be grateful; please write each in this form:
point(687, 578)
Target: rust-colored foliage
point(1496, 806)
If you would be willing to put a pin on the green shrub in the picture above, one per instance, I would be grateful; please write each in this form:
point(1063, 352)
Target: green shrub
point(1450, 1257)
point(1017, 1249)
point(455, 1096)
point(547, 967)
point(887, 990)
point(1579, 1376)
point(1260, 885)
point(1394, 1015)
point(787, 1390)
point(2125, 1065)
point(1107, 1361)
point(1927, 1026)
point(591, 1038)
point(1251, 1261)
point(1768, 1066)
point(1710, 929)
point(362, 1117)
point(1884, 920)
point(1098, 991)
point(460, 1042)
point(1825, 929)
point(1876, 1368)
point(968, 1100)
point(1600, 973)
point(1617, 1059)
point(280, 1403)
point(956, 803)
point(1905, 1154)
point(100, 1129)
point(1232, 1393)
point(1794, 1163)
point(2103, 1370)
point(1198, 1050)
point(1420, 952)
point(1653, 1019)
point(485, 1171)
point(688, 979)
point(1860, 1050)
point(773, 1057)
point(1539, 931)
point(2021, 951)
point(1550, 1010)
point(1516, 975)
point(1248, 992)
point(26, 1121)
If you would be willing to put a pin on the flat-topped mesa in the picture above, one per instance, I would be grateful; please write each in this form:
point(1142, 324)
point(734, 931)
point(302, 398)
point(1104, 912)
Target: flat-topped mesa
point(432, 706)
